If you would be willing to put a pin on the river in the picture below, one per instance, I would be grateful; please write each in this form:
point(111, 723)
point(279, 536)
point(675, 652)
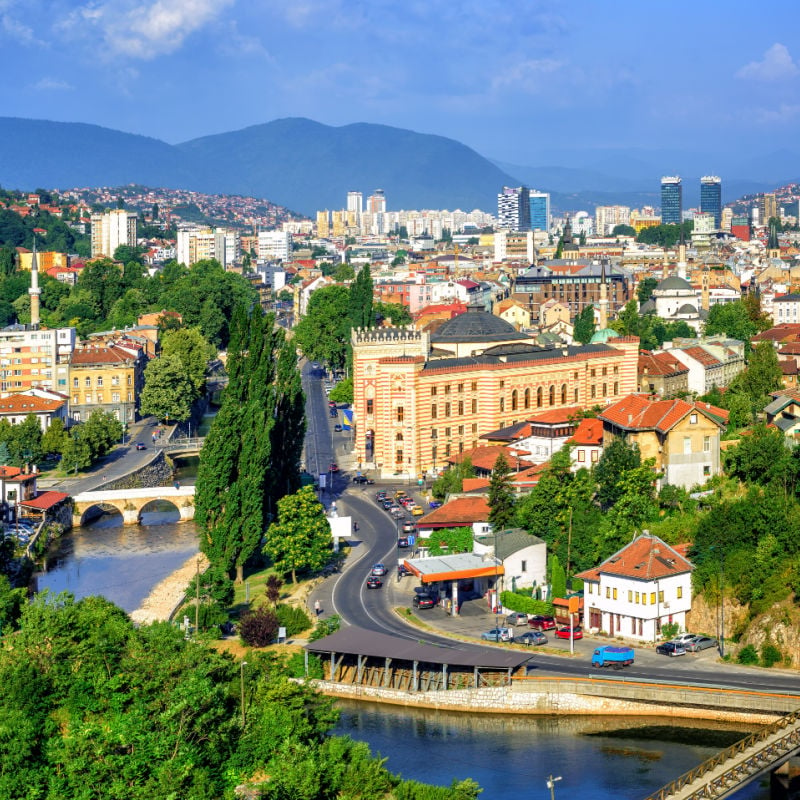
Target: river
point(511, 757)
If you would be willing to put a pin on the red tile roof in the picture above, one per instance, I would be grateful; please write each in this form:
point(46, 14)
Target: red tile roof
point(556, 416)
point(484, 457)
point(28, 404)
point(660, 364)
point(88, 356)
point(588, 432)
point(703, 356)
point(459, 512)
point(637, 412)
point(45, 500)
point(786, 332)
point(647, 558)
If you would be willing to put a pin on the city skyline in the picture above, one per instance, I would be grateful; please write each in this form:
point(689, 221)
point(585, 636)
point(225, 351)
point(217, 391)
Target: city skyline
point(515, 81)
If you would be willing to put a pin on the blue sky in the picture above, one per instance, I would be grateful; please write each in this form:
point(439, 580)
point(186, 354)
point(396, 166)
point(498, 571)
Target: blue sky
point(521, 82)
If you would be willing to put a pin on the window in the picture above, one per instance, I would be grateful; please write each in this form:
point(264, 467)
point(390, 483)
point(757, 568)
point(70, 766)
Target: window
point(514, 400)
point(595, 455)
point(637, 597)
point(593, 391)
point(115, 380)
point(398, 457)
point(460, 430)
point(630, 596)
point(693, 419)
point(527, 398)
point(523, 566)
point(75, 399)
point(687, 445)
point(130, 397)
point(575, 394)
point(130, 381)
point(75, 382)
point(370, 405)
point(460, 387)
point(400, 413)
point(434, 411)
point(87, 399)
point(539, 397)
point(447, 389)
point(99, 380)
point(608, 592)
point(605, 370)
point(616, 387)
point(652, 598)
point(706, 470)
point(447, 433)
point(615, 592)
point(474, 386)
point(115, 397)
point(88, 382)
point(581, 455)
point(679, 593)
point(447, 409)
point(644, 599)
point(706, 444)
point(474, 406)
point(552, 395)
point(502, 404)
point(605, 390)
point(661, 597)
point(433, 391)
point(447, 449)
point(592, 372)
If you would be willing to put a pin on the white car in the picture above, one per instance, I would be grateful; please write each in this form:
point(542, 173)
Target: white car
point(682, 638)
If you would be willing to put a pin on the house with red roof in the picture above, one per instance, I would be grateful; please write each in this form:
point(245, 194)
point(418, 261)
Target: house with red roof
point(682, 437)
point(16, 407)
point(662, 374)
point(639, 589)
point(586, 444)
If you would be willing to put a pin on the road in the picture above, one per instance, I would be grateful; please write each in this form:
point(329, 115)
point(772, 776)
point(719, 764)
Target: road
point(346, 593)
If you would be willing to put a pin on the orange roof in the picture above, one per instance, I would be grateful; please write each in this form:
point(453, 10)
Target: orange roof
point(556, 416)
point(637, 412)
point(87, 356)
point(28, 404)
point(704, 357)
point(458, 513)
point(647, 558)
point(660, 364)
point(473, 484)
point(588, 432)
point(484, 457)
point(45, 500)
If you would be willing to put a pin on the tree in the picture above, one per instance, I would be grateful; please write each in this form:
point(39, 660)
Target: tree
point(558, 578)
point(343, 273)
point(324, 332)
point(273, 589)
point(645, 289)
point(76, 453)
point(194, 353)
point(618, 457)
point(452, 479)
point(396, 312)
point(762, 457)
point(623, 230)
point(733, 320)
point(342, 392)
point(259, 627)
point(361, 290)
point(168, 391)
point(501, 495)
point(762, 376)
point(300, 540)
point(584, 325)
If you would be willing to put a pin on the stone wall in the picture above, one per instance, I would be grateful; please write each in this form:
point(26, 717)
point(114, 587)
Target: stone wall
point(582, 698)
point(158, 472)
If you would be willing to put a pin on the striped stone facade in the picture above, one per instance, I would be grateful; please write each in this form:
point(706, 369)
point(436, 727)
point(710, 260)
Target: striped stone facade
point(414, 405)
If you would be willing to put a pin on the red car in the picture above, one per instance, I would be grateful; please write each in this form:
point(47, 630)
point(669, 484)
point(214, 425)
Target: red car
point(540, 622)
point(334, 467)
point(563, 633)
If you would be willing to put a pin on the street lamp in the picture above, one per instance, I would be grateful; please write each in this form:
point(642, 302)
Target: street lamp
point(551, 783)
point(242, 665)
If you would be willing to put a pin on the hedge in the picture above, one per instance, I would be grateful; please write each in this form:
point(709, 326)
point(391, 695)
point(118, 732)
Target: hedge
point(525, 603)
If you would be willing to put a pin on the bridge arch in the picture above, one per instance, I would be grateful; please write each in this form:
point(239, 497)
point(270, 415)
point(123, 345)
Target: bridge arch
point(150, 507)
point(95, 510)
point(131, 502)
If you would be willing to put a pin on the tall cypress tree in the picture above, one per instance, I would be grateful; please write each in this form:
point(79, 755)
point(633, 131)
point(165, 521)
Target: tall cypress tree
point(250, 458)
point(501, 495)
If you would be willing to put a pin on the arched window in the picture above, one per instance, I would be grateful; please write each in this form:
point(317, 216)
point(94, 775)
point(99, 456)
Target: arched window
point(398, 437)
point(552, 395)
point(563, 394)
point(527, 398)
point(514, 400)
point(539, 397)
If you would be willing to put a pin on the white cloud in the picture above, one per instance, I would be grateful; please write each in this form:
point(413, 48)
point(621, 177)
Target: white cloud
point(776, 65)
point(52, 84)
point(17, 30)
point(527, 75)
point(144, 31)
point(785, 112)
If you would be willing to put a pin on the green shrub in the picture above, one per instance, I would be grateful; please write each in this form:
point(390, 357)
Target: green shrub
point(670, 630)
point(325, 627)
point(294, 619)
point(770, 655)
point(747, 655)
point(296, 666)
point(525, 604)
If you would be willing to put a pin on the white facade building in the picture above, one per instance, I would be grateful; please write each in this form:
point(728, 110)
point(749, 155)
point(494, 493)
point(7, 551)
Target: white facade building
point(112, 229)
point(274, 245)
point(786, 309)
point(634, 593)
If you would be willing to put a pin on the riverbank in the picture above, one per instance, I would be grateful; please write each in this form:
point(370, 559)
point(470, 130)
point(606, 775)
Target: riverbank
point(167, 595)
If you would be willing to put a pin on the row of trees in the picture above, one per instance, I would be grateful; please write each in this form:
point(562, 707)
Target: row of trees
point(252, 452)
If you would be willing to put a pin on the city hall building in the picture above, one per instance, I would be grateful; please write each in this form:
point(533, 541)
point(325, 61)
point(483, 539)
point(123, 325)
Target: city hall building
point(419, 397)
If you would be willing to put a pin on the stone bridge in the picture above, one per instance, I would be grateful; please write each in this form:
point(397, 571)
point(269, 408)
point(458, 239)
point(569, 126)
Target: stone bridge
point(132, 502)
point(183, 445)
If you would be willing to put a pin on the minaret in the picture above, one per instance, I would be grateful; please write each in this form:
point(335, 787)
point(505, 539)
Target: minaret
point(704, 291)
point(682, 255)
point(603, 302)
point(34, 291)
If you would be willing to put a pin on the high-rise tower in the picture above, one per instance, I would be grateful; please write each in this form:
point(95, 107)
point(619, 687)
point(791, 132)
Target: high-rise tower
point(711, 198)
point(514, 209)
point(540, 211)
point(671, 200)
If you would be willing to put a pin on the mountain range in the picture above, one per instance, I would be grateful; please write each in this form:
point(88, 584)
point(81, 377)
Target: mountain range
point(305, 166)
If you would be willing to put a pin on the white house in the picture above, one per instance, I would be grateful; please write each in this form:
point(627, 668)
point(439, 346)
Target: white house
point(636, 591)
point(523, 556)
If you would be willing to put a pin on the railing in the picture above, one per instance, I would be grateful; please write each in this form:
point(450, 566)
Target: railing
point(755, 763)
point(184, 443)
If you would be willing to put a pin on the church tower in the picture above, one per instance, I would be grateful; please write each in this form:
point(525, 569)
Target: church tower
point(773, 248)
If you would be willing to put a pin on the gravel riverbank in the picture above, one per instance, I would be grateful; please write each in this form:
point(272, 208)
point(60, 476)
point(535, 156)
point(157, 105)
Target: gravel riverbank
point(166, 595)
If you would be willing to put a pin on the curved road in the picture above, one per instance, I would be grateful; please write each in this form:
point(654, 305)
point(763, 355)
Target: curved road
point(371, 609)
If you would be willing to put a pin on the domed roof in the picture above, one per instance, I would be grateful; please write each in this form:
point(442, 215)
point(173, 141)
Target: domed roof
point(648, 307)
point(672, 283)
point(477, 325)
point(603, 335)
point(687, 308)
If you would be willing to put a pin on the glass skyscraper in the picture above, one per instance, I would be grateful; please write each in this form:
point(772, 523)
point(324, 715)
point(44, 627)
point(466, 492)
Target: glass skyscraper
point(514, 209)
point(540, 211)
point(711, 198)
point(671, 201)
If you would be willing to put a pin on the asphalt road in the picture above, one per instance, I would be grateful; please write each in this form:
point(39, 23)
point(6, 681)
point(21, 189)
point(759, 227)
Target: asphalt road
point(346, 593)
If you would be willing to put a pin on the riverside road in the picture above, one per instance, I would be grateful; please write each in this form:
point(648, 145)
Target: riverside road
point(376, 541)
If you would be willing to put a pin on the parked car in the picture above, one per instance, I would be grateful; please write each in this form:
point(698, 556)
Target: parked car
point(531, 638)
point(337, 428)
point(682, 638)
point(417, 511)
point(402, 571)
point(564, 632)
point(363, 480)
point(517, 618)
point(541, 622)
point(435, 504)
point(700, 643)
point(423, 601)
point(378, 569)
point(497, 635)
point(141, 446)
point(374, 582)
point(380, 496)
point(409, 527)
point(334, 412)
point(671, 649)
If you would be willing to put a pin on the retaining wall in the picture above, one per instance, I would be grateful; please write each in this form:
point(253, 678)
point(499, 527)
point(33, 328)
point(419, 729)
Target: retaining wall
point(554, 697)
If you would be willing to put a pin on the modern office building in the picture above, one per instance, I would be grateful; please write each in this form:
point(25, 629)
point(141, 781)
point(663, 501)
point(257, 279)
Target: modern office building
point(198, 243)
point(671, 200)
point(540, 211)
point(112, 229)
point(355, 203)
point(767, 208)
point(514, 209)
point(274, 245)
point(376, 202)
point(711, 198)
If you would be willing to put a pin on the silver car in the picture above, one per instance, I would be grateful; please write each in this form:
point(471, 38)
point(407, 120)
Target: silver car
point(700, 643)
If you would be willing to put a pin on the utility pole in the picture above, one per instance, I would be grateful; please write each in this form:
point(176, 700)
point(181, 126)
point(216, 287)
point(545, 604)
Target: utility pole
point(242, 665)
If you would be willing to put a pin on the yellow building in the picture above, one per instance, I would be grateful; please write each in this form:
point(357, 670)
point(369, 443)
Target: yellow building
point(106, 377)
point(683, 438)
point(420, 397)
point(323, 224)
point(640, 221)
point(44, 261)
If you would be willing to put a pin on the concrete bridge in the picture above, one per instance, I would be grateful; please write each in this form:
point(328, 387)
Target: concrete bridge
point(185, 444)
point(132, 502)
point(765, 752)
